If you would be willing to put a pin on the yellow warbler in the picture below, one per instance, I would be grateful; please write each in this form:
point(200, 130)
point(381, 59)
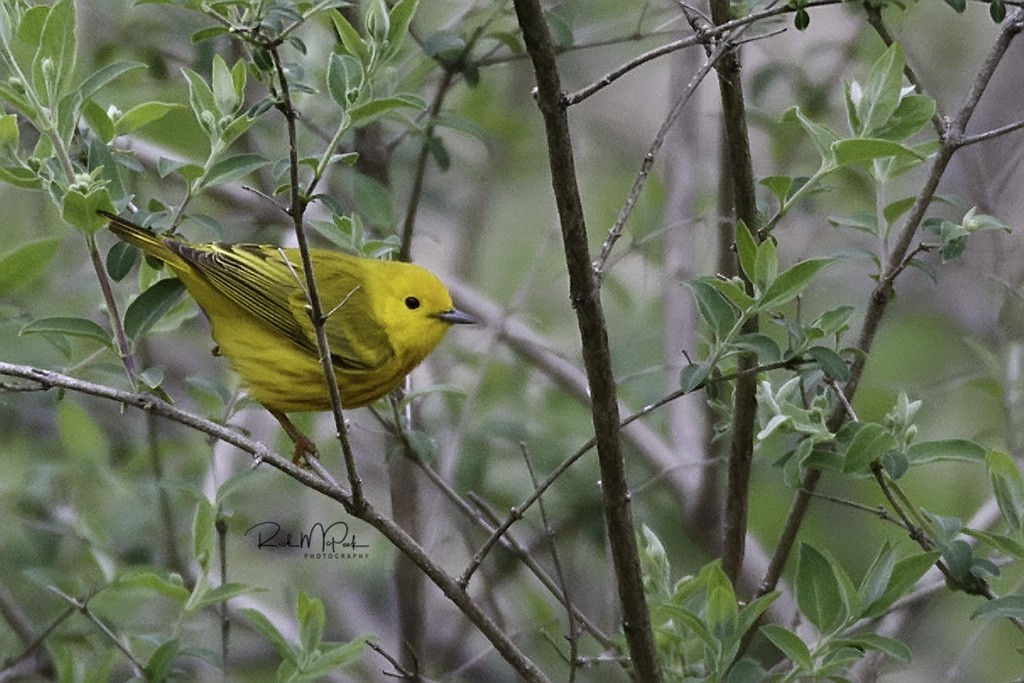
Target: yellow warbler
point(383, 318)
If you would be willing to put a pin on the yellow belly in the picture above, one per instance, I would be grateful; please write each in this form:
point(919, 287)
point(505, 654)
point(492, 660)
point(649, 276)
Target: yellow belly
point(286, 377)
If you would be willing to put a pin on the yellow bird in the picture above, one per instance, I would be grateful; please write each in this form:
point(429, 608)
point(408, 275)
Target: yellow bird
point(383, 318)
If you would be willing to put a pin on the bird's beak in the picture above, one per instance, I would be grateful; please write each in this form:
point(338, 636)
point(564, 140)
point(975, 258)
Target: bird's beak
point(457, 317)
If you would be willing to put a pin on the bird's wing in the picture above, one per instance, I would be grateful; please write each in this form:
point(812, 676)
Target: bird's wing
point(251, 276)
point(262, 282)
point(357, 338)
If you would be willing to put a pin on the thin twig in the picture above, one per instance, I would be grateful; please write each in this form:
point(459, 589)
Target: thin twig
point(966, 140)
point(556, 562)
point(82, 606)
point(645, 167)
point(297, 208)
point(585, 298)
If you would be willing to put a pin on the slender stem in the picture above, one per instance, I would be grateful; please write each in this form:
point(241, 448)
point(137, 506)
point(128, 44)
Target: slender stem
point(409, 224)
point(648, 162)
point(741, 174)
point(586, 301)
point(316, 311)
point(120, 338)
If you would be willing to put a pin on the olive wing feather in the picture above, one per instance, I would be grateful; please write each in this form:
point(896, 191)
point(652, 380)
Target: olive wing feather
point(260, 281)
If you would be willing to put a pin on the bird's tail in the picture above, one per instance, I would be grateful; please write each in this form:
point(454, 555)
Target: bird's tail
point(149, 242)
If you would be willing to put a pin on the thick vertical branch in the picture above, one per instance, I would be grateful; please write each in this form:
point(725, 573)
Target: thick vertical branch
point(740, 177)
point(585, 299)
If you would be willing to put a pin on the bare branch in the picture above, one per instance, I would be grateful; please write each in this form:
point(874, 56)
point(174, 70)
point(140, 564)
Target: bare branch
point(585, 299)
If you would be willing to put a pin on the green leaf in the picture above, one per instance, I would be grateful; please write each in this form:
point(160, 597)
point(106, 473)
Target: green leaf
point(897, 208)
point(779, 185)
point(80, 328)
point(332, 658)
point(203, 534)
point(958, 5)
point(833, 321)
point(445, 45)
point(271, 633)
point(822, 136)
point(25, 263)
point(801, 19)
point(400, 16)
point(1004, 544)
point(104, 75)
point(160, 663)
point(868, 445)
point(790, 644)
point(876, 578)
point(791, 283)
point(350, 38)
point(80, 209)
point(872, 641)
point(233, 168)
point(311, 622)
point(1009, 606)
point(344, 79)
point(766, 349)
point(120, 260)
point(912, 113)
point(905, 573)
point(746, 248)
point(53, 65)
point(170, 586)
point(226, 98)
point(859, 150)
point(151, 305)
point(561, 29)
point(186, 169)
point(692, 375)
point(997, 10)
point(830, 362)
point(220, 594)
point(818, 590)
point(960, 450)
point(20, 176)
point(142, 114)
point(374, 109)
point(98, 121)
point(881, 93)
point(204, 106)
point(716, 310)
point(734, 289)
point(766, 264)
point(1008, 486)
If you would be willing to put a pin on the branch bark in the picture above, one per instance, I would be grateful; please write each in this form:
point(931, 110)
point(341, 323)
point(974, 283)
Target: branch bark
point(583, 292)
point(740, 171)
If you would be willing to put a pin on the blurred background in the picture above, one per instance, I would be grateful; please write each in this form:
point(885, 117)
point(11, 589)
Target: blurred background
point(80, 492)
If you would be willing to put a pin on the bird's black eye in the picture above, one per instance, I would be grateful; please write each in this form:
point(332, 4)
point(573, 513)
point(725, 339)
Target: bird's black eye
point(412, 303)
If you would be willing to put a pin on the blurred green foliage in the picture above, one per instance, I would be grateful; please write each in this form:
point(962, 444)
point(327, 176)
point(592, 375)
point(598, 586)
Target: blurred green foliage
point(126, 534)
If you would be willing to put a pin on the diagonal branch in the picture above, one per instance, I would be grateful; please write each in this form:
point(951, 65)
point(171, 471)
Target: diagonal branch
point(883, 292)
point(321, 483)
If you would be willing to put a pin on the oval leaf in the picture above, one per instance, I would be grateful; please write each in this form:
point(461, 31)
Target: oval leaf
point(151, 305)
point(870, 443)
point(792, 282)
point(945, 449)
point(25, 263)
point(69, 327)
